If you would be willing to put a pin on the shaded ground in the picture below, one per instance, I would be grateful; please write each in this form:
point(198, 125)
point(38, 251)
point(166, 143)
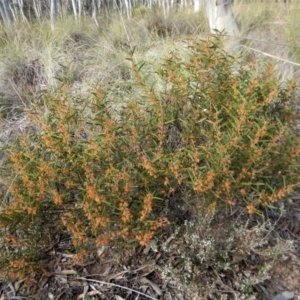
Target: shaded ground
point(133, 274)
point(285, 274)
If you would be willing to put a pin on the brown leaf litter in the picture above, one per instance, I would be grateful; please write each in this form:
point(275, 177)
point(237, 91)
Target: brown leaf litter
point(133, 274)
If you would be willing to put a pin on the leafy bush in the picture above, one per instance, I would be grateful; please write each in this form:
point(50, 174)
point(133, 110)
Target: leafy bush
point(209, 132)
point(219, 260)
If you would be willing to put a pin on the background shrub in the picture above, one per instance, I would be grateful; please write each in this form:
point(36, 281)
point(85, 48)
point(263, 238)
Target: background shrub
point(200, 130)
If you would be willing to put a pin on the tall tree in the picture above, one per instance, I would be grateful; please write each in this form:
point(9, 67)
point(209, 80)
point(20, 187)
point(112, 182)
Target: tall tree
point(5, 11)
point(94, 12)
point(197, 5)
point(20, 5)
point(74, 8)
point(37, 9)
point(53, 12)
point(127, 7)
point(220, 17)
point(79, 4)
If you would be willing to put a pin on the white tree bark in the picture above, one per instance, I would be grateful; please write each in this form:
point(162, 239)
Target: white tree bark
point(127, 8)
point(74, 9)
point(218, 11)
point(79, 8)
point(37, 9)
point(94, 12)
point(220, 17)
point(197, 5)
point(5, 12)
point(21, 11)
point(182, 4)
point(53, 12)
point(99, 6)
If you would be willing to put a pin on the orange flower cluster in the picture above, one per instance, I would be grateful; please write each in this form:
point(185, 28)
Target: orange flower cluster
point(92, 193)
point(175, 170)
point(148, 166)
point(147, 207)
point(57, 198)
point(28, 184)
point(80, 256)
point(226, 186)
point(101, 222)
point(105, 238)
point(145, 237)
point(126, 214)
point(204, 184)
point(17, 263)
point(47, 170)
point(251, 209)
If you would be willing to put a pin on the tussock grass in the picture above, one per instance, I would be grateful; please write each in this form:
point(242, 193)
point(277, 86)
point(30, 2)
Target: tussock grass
point(272, 28)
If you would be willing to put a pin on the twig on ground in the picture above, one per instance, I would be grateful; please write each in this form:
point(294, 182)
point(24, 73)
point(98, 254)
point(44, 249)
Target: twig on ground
point(272, 56)
point(116, 285)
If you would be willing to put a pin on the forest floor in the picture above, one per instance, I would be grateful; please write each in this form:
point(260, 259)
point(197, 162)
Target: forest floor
point(132, 274)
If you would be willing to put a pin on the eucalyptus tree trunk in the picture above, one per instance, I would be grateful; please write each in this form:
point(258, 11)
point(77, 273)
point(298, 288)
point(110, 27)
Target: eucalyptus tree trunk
point(163, 5)
point(63, 8)
point(197, 5)
point(53, 12)
point(220, 17)
point(182, 4)
point(5, 12)
point(74, 8)
point(127, 8)
point(79, 8)
point(167, 7)
point(37, 8)
point(21, 10)
point(99, 6)
point(94, 12)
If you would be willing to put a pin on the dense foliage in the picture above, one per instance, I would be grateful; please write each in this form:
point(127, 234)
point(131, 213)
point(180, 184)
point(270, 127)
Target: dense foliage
point(202, 129)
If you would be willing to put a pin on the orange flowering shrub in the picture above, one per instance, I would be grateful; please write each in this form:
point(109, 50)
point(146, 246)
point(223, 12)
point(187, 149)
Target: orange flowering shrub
point(214, 131)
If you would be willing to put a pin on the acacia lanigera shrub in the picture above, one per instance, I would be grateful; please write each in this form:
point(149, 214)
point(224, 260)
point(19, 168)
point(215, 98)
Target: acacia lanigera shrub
point(201, 130)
